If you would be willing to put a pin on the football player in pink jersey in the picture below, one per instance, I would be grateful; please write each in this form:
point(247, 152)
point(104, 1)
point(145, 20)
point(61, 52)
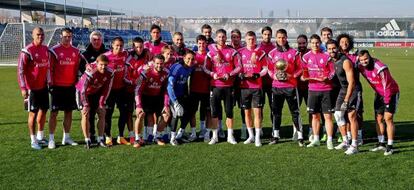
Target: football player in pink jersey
point(152, 101)
point(222, 64)
point(92, 90)
point(254, 66)
point(284, 68)
point(387, 94)
point(318, 69)
point(64, 72)
point(155, 44)
point(199, 90)
point(32, 70)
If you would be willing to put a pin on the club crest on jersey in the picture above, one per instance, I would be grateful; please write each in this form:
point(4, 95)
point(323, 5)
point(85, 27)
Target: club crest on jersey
point(61, 55)
point(73, 54)
point(36, 55)
point(289, 56)
point(321, 61)
point(227, 55)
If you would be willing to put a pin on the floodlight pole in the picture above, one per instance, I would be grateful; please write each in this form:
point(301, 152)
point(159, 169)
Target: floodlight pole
point(44, 10)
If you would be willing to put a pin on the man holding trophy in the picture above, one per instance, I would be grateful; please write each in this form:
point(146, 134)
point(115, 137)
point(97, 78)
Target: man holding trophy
point(319, 70)
point(284, 68)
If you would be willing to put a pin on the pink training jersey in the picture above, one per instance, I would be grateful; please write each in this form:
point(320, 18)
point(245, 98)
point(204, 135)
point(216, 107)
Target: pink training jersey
point(134, 65)
point(199, 80)
point(293, 70)
point(117, 64)
point(225, 61)
point(380, 80)
point(152, 83)
point(93, 82)
point(64, 66)
point(267, 47)
point(250, 66)
point(318, 66)
point(352, 55)
point(33, 67)
point(154, 49)
point(302, 85)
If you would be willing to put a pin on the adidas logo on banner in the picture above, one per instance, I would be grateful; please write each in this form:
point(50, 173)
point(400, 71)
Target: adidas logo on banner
point(391, 29)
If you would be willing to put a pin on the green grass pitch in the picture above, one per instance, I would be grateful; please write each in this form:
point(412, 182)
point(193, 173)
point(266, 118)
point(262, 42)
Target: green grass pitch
point(200, 166)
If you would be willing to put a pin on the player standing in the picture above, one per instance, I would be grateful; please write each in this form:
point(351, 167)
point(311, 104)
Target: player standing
point(32, 71)
point(284, 84)
point(254, 66)
point(222, 64)
point(64, 73)
point(319, 71)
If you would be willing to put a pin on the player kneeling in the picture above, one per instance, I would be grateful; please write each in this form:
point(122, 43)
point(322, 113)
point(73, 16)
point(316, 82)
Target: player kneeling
point(151, 99)
point(92, 91)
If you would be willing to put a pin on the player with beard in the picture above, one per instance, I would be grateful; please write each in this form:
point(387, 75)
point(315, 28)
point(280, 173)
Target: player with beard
point(347, 102)
point(222, 64)
point(178, 46)
point(387, 94)
point(206, 30)
point(346, 46)
point(284, 85)
point(302, 41)
point(236, 43)
point(318, 69)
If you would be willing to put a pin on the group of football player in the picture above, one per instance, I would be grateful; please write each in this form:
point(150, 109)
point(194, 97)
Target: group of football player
point(165, 84)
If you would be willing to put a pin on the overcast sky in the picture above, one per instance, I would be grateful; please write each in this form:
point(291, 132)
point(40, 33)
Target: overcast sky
point(251, 8)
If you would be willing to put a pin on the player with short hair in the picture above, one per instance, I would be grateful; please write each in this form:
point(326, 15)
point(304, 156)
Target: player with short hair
point(254, 66)
point(178, 46)
point(92, 90)
point(302, 41)
point(347, 102)
point(222, 64)
point(318, 69)
point(199, 91)
point(136, 61)
point(32, 71)
point(178, 92)
point(237, 44)
point(64, 73)
point(326, 34)
point(117, 57)
point(387, 94)
point(93, 50)
point(152, 100)
point(206, 30)
point(284, 68)
point(168, 53)
point(155, 44)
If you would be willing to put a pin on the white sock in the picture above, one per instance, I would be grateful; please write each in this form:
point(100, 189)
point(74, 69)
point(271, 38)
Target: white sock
point(257, 134)
point(137, 136)
point(87, 139)
point(173, 135)
point(193, 131)
point(300, 134)
point(229, 132)
point(66, 135)
point(101, 138)
point(390, 142)
point(33, 138)
point(250, 131)
point(51, 137)
point(381, 138)
point(329, 138)
point(344, 139)
point(40, 135)
point(354, 143)
point(348, 134)
point(315, 137)
point(276, 133)
point(215, 133)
